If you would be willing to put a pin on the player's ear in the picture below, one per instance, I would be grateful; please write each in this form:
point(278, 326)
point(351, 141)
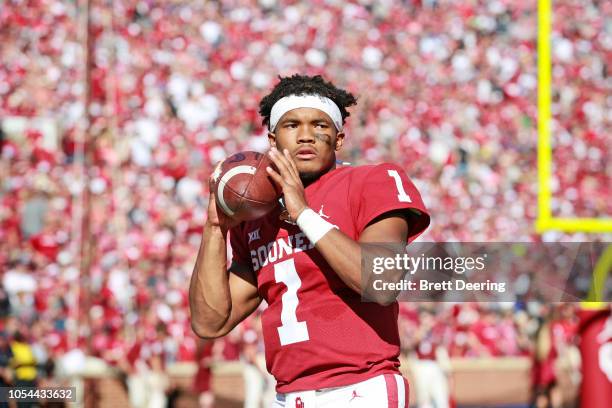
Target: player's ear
point(272, 139)
point(339, 140)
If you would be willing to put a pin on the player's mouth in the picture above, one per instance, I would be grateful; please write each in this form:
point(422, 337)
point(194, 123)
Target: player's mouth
point(306, 153)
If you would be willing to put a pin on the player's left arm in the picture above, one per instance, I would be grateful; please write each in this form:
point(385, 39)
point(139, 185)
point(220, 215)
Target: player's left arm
point(344, 254)
point(387, 223)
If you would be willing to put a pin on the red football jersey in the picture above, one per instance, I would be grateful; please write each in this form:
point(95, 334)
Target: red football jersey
point(596, 350)
point(317, 331)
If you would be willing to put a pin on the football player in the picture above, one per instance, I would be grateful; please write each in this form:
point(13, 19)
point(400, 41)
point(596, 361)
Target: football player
point(324, 345)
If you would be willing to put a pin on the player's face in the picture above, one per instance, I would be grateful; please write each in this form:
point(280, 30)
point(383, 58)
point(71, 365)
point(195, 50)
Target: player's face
point(311, 138)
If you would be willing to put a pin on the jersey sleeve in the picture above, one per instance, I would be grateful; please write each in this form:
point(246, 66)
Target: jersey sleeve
point(384, 188)
point(238, 246)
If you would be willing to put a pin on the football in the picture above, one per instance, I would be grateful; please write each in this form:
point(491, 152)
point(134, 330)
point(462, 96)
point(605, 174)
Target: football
point(243, 188)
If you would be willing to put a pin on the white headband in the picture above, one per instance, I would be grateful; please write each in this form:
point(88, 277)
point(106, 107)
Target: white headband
point(284, 105)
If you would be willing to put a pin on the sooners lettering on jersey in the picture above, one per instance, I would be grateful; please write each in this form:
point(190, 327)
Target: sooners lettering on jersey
point(317, 332)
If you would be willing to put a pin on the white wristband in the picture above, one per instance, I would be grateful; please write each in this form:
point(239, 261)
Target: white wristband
point(313, 225)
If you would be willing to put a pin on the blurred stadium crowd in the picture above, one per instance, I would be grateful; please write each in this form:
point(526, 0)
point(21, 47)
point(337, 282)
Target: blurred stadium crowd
point(446, 88)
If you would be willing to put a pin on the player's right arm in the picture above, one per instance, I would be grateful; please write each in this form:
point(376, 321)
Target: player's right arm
point(219, 298)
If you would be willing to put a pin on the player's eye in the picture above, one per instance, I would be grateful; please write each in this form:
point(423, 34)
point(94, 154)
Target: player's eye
point(291, 125)
point(322, 125)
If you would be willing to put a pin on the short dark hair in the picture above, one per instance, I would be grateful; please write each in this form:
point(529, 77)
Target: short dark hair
point(305, 85)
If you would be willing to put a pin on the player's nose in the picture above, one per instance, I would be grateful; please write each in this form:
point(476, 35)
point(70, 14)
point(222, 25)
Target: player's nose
point(305, 135)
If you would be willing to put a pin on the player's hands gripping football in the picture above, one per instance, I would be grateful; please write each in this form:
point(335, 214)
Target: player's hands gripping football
point(288, 178)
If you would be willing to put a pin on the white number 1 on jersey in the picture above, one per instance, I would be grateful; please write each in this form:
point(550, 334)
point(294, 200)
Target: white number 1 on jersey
point(402, 196)
point(291, 331)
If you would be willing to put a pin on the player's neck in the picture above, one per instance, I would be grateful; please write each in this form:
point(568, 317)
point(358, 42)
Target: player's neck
point(309, 178)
